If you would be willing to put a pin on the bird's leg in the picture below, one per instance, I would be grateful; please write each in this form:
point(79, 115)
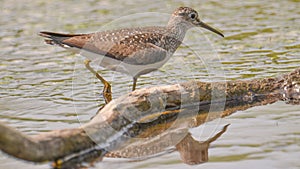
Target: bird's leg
point(134, 83)
point(107, 87)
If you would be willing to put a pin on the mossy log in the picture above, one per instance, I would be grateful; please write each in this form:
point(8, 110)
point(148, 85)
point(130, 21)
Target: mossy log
point(149, 111)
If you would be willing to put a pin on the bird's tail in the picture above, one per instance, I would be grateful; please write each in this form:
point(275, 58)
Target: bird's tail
point(56, 38)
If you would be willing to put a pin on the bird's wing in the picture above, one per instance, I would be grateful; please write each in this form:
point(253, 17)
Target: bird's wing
point(149, 55)
point(77, 41)
point(132, 49)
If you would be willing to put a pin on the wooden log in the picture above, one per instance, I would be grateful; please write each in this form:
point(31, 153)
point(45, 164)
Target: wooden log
point(147, 111)
point(45, 146)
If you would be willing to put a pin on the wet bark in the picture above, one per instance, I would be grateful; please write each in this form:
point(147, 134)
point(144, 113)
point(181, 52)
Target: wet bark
point(45, 146)
point(147, 111)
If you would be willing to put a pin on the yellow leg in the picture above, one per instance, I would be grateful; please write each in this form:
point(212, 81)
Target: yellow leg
point(107, 94)
point(134, 83)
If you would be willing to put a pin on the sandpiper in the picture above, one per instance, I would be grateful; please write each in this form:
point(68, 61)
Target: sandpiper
point(134, 51)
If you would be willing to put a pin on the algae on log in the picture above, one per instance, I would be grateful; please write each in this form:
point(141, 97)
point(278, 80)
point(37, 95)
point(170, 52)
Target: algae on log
point(145, 112)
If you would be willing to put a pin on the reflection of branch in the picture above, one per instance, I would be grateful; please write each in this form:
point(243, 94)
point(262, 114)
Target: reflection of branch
point(215, 137)
point(196, 152)
point(148, 111)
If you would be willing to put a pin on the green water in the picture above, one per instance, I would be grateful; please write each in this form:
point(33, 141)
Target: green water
point(43, 88)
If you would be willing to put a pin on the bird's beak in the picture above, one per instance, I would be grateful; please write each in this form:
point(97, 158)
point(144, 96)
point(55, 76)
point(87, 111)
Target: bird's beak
point(206, 26)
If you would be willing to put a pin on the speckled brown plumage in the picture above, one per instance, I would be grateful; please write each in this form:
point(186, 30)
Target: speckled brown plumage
point(137, 50)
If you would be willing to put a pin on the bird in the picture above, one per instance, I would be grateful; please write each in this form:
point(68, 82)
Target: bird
point(134, 51)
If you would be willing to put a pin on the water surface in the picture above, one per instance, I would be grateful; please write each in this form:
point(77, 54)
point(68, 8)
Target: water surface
point(43, 88)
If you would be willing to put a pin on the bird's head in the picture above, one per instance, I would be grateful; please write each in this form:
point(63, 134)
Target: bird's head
point(189, 17)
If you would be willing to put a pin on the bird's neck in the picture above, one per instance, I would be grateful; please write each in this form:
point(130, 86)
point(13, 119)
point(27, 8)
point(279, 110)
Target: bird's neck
point(177, 29)
point(175, 33)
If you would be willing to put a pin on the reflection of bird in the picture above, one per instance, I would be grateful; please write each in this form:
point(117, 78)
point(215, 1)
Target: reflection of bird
point(134, 51)
point(191, 150)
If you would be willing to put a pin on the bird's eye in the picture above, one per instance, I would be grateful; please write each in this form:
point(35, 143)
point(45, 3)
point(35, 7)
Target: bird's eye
point(192, 15)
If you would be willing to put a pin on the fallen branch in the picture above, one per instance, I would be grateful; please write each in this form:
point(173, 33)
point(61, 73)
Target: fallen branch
point(149, 111)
